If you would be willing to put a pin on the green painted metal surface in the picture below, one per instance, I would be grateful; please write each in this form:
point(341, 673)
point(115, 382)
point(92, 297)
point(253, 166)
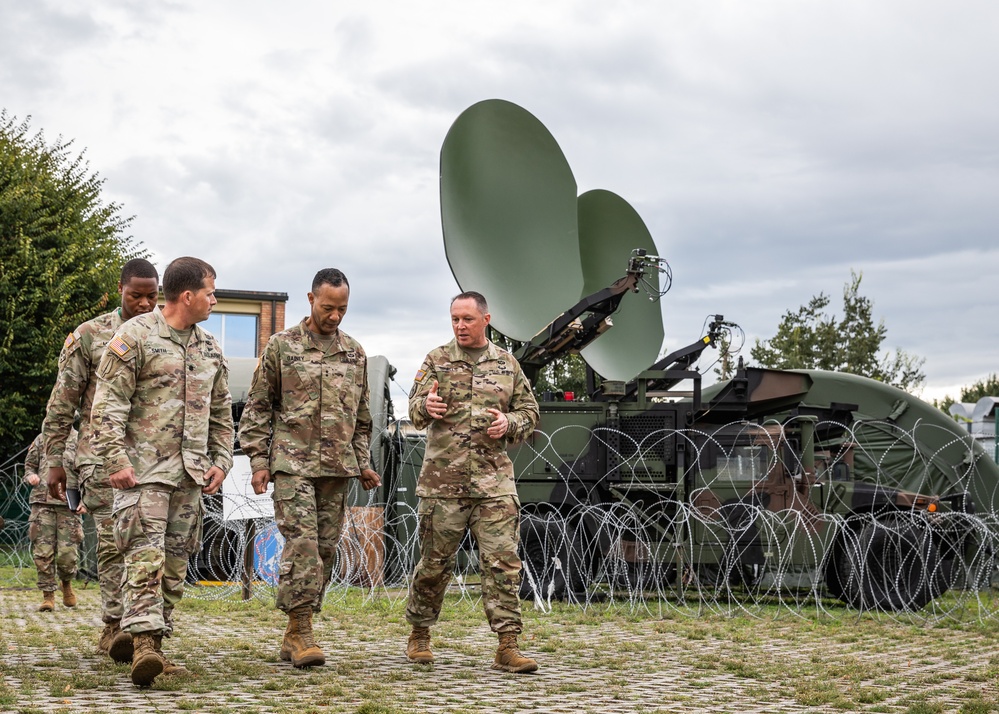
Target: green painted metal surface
point(508, 210)
point(609, 230)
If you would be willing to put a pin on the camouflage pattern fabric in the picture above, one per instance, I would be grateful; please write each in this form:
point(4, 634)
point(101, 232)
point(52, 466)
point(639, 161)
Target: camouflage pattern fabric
point(157, 528)
point(309, 514)
point(161, 407)
point(98, 497)
point(307, 410)
point(467, 478)
point(461, 460)
point(74, 389)
point(36, 463)
point(495, 525)
point(55, 533)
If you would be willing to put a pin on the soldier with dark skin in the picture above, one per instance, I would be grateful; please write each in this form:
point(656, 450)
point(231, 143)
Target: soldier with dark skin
point(474, 400)
point(54, 530)
point(73, 393)
point(162, 426)
point(306, 427)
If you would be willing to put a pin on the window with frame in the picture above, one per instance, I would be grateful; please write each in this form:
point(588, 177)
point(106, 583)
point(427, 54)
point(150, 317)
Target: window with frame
point(236, 333)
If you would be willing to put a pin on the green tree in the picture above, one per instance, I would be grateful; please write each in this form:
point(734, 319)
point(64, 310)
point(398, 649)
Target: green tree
point(987, 387)
point(61, 251)
point(812, 338)
point(565, 374)
point(726, 357)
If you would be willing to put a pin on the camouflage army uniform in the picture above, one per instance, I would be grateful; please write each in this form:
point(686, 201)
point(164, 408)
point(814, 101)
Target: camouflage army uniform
point(74, 390)
point(55, 531)
point(467, 479)
point(163, 409)
point(307, 420)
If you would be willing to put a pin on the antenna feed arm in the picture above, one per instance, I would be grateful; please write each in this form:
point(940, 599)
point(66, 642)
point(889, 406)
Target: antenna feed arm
point(641, 264)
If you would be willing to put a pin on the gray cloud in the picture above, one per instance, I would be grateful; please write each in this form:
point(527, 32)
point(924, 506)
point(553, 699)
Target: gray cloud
point(770, 147)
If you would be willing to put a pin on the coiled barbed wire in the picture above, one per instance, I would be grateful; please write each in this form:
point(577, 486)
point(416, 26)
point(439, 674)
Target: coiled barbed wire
point(650, 547)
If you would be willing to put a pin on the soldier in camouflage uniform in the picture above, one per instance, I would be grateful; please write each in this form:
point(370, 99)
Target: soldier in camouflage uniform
point(74, 391)
point(306, 426)
point(162, 426)
point(474, 401)
point(54, 530)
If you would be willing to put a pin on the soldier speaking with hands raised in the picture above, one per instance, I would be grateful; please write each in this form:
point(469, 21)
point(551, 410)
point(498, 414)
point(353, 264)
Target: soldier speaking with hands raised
point(474, 400)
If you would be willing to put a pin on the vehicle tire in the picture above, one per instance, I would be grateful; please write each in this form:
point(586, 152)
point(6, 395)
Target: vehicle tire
point(550, 569)
point(893, 563)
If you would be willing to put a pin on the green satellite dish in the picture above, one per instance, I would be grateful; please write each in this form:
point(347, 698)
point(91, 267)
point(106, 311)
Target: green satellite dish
point(609, 230)
point(515, 231)
point(508, 209)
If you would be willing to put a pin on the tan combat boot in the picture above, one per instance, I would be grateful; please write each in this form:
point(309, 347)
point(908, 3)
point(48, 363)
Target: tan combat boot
point(169, 668)
point(115, 642)
point(509, 658)
point(68, 596)
point(48, 601)
point(291, 629)
point(299, 643)
point(147, 663)
point(418, 648)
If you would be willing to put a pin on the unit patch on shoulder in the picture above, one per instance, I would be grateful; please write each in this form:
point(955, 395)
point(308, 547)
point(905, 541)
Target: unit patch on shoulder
point(119, 347)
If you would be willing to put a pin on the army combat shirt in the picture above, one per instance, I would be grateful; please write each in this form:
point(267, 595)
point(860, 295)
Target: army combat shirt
point(74, 388)
point(161, 407)
point(307, 411)
point(461, 460)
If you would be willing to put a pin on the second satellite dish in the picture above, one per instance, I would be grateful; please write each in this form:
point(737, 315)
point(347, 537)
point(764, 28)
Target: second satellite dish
point(609, 229)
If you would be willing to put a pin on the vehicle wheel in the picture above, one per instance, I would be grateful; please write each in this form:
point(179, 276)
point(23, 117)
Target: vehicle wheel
point(550, 569)
point(892, 564)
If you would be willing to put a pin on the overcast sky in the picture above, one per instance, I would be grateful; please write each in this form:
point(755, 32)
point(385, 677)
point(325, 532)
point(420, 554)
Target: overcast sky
point(770, 147)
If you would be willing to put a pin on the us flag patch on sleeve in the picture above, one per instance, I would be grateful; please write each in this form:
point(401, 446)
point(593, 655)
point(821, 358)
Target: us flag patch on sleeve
point(420, 374)
point(118, 346)
point(70, 339)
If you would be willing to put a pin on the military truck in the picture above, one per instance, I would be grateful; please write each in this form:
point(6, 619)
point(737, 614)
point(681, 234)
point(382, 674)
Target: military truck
point(747, 485)
point(769, 482)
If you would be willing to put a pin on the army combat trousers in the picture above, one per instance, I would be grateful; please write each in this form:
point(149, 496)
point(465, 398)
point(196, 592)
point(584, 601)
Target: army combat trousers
point(495, 525)
point(156, 528)
point(98, 497)
point(55, 533)
point(309, 515)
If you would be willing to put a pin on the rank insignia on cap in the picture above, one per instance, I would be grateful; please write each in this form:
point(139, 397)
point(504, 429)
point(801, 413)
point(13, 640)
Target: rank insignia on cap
point(420, 375)
point(118, 346)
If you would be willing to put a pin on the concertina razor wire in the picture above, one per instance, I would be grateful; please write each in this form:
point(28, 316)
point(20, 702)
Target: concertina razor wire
point(764, 561)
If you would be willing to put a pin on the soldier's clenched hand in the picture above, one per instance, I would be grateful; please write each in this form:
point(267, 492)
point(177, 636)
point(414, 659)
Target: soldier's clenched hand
point(500, 425)
point(215, 477)
point(124, 478)
point(33, 480)
point(260, 480)
point(435, 406)
point(369, 479)
point(57, 482)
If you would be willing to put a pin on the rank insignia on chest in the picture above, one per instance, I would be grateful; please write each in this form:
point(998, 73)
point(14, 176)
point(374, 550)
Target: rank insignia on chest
point(118, 346)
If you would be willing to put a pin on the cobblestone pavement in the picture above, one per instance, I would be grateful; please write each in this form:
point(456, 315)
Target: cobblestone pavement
point(634, 666)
